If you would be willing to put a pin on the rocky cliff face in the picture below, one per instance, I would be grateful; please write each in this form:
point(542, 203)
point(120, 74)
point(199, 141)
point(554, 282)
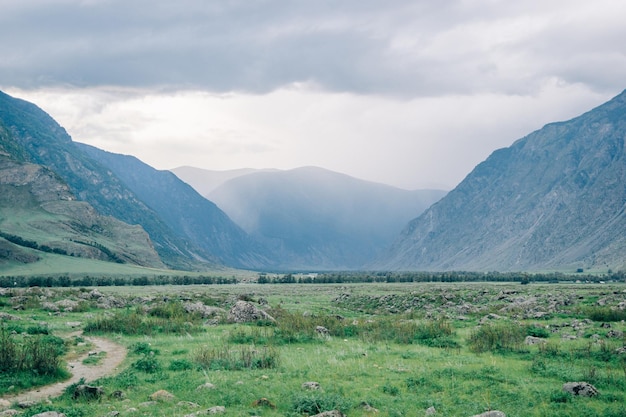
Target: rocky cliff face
point(37, 206)
point(555, 199)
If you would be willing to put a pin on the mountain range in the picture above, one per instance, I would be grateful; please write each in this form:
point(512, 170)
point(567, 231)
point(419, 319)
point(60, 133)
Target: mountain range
point(555, 199)
point(312, 218)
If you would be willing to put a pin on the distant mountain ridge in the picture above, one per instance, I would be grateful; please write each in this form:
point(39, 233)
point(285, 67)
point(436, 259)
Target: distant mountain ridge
point(554, 199)
point(318, 219)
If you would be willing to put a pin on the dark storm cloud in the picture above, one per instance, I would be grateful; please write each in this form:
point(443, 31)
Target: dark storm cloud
point(403, 47)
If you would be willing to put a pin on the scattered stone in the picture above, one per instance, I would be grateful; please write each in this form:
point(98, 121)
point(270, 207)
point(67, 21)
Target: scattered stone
point(50, 414)
point(8, 413)
point(332, 413)
point(207, 385)
point(67, 305)
point(48, 306)
point(606, 325)
point(202, 309)
point(263, 402)
point(322, 331)
point(217, 409)
point(26, 404)
point(245, 312)
point(118, 395)
point(7, 316)
point(621, 351)
point(4, 403)
point(368, 408)
point(312, 385)
point(89, 392)
point(430, 411)
point(188, 404)
point(532, 340)
point(112, 414)
point(148, 404)
point(73, 324)
point(162, 395)
point(262, 301)
point(582, 389)
point(491, 414)
point(616, 334)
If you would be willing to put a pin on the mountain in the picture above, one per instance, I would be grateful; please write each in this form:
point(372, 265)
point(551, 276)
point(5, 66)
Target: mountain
point(318, 219)
point(39, 214)
point(205, 181)
point(195, 218)
point(555, 199)
point(37, 139)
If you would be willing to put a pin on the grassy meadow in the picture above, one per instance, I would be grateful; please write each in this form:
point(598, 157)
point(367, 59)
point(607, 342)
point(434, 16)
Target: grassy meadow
point(384, 350)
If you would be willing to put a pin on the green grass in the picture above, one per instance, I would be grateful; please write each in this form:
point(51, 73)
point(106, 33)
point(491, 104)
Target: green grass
point(399, 363)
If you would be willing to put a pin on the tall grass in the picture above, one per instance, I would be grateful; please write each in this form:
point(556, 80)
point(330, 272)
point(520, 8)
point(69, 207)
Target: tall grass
point(228, 358)
point(497, 337)
point(136, 322)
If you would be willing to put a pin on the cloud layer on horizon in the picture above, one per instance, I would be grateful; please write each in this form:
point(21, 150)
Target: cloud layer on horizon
point(407, 92)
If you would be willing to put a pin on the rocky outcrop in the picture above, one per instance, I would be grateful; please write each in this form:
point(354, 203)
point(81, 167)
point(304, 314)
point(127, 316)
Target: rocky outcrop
point(582, 389)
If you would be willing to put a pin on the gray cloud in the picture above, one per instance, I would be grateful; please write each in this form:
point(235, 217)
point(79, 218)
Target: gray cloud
point(397, 47)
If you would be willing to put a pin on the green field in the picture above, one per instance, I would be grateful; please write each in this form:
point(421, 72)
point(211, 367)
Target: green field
point(389, 349)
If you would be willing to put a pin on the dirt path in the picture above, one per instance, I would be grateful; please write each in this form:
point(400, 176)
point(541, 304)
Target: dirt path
point(115, 354)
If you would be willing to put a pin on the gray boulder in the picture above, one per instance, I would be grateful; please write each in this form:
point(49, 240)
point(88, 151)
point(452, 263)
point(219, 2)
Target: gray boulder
point(494, 413)
point(582, 389)
point(245, 312)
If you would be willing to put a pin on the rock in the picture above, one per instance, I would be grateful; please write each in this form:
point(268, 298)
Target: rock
point(332, 413)
point(7, 316)
point(368, 408)
point(312, 385)
point(118, 395)
point(48, 306)
point(73, 324)
point(430, 411)
point(245, 312)
point(217, 410)
point(4, 403)
point(112, 414)
point(207, 385)
point(26, 404)
point(162, 395)
point(202, 309)
point(491, 414)
point(148, 404)
point(50, 414)
point(89, 392)
point(187, 404)
point(322, 331)
point(10, 412)
point(67, 305)
point(617, 334)
point(263, 402)
point(582, 389)
point(532, 340)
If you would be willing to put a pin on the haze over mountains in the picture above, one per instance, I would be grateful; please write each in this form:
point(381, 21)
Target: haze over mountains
point(312, 218)
point(554, 200)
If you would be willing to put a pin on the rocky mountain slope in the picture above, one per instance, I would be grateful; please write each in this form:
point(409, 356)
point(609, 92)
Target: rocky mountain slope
point(555, 199)
point(195, 218)
point(38, 213)
point(318, 219)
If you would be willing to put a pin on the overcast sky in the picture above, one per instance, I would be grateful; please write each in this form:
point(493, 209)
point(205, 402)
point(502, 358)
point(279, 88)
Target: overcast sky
point(412, 93)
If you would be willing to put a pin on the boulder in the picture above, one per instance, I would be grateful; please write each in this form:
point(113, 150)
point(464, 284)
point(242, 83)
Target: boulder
point(430, 411)
point(322, 331)
point(582, 389)
point(162, 395)
point(332, 413)
point(207, 385)
point(50, 414)
point(245, 312)
point(219, 409)
point(87, 392)
point(312, 385)
point(202, 309)
point(491, 414)
point(532, 340)
point(7, 316)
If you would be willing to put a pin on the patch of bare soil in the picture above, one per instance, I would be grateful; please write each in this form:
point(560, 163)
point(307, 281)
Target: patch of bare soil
point(115, 354)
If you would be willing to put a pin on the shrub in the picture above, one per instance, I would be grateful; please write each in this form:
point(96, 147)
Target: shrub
point(605, 314)
point(310, 404)
point(180, 365)
point(496, 337)
point(536, 331)
point(143, 348)
point(244, 357)
point(148, 364)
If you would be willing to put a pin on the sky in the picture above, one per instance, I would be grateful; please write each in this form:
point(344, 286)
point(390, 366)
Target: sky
point(411, 93)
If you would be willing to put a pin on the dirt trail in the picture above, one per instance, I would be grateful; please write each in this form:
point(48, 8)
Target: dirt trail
point(115, 354)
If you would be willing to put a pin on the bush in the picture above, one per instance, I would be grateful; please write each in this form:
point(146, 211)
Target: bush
point(311, 404)
point(244, 357)
point(536, 331)
point(496, 337)
point(180, 365)
point(605, 314)
point(148, 364)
